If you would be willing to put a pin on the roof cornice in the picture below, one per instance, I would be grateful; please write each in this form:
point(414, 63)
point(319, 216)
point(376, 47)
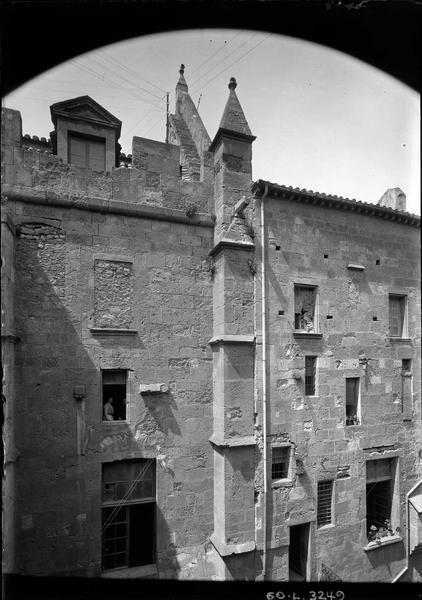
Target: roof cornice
point(333, 202)
point(234, 135)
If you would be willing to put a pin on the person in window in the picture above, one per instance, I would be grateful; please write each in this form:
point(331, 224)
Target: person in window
point(108, 410)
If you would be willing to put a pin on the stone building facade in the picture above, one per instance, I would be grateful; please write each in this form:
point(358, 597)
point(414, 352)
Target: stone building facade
point(162, 317)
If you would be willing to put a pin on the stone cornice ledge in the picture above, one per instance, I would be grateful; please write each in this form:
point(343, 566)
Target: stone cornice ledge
point(225, 338)
point(112, 331)
point(307, 335)
point(146, 211)
point(226, 243)
point(386, 541)
point(224, 549)
point(247, 440)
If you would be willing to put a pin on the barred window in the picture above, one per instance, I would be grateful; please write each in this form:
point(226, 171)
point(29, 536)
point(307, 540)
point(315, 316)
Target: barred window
point(325, 496)
point(280, 462)
point(310, 375)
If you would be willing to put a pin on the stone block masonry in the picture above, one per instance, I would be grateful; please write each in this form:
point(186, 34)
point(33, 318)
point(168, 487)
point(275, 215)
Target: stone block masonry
point(113, 294)
point(266, 396)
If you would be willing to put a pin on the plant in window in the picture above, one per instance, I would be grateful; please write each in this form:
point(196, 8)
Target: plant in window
point(376, 533)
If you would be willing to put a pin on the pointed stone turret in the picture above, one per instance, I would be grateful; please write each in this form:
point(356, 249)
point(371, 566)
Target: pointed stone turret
point(233, 120)
point(181, 84)
point(232, 150)
point(188, 131)
point(233, 340)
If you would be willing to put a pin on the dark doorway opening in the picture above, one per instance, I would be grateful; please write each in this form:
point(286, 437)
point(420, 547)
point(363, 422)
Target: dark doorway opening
point(298, 552)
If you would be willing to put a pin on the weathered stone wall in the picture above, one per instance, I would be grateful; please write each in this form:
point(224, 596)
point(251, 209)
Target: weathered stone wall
point(154, 179)
point(73, 267)
point(313, 246)
point(113, 294)
point(63, 441)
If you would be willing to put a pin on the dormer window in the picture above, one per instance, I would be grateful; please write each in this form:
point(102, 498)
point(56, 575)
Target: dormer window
point(86, 134)
point(87, 152)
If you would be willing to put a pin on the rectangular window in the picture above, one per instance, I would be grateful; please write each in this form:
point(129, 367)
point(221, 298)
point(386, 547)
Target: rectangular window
point(380, 476)
point(128, 509)
point(305, 308)
point(325, 499)
point(406, 392)
point(352, 401)
point(114, 383)
point(310, 375)
point(280, 462)
point(86, 152)
point(397, 315)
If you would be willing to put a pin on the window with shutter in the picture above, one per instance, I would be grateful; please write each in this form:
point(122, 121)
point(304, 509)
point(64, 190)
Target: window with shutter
point(396, 315)
point(87, 152)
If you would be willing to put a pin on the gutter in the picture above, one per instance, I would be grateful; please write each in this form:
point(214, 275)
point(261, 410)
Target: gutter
point(264, 382)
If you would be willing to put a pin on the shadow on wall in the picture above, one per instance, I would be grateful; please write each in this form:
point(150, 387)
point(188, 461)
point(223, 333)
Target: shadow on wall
point(384, 556)
point(58, 419)
point(161, 407)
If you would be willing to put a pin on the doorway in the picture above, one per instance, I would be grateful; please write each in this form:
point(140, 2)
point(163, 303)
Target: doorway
point(299, 552)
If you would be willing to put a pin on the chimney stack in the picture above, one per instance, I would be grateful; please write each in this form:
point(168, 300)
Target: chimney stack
point(393, 198)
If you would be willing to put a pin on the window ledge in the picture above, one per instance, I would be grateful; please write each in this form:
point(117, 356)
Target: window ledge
point(327, 527)
point(115, 421)
point(385, 541)
point(403, 340)
point(131, 573)
point(278, 483)
point(112, 331)
point(307, 335)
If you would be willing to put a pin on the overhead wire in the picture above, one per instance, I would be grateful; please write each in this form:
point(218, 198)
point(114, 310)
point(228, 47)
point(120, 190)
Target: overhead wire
point(117, 507)
point(195, 82)
point(233, 63)
point(131, 71)
point(214, 54)
point(124, 78)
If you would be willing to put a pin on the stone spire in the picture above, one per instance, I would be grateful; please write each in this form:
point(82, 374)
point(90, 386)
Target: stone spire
point(233, 119)
point(181, 84)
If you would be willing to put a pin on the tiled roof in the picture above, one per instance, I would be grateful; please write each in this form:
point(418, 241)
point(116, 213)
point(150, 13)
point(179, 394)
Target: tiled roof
point(336, 202)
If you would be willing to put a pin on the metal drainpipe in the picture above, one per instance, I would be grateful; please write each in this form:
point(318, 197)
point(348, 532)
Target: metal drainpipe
point(264, 383)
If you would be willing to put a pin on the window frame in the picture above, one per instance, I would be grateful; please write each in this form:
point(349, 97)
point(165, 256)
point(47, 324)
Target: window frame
point(276, 481)
point(127, 402)
point(127, 506)
point(394, 497)
point(358, 411)
point(313, 376)
point(83, 137)
point(315, 289)
point(330, 523)
point(403, 299)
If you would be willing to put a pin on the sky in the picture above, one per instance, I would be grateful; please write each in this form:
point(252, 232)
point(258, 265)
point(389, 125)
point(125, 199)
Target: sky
point(324, 120)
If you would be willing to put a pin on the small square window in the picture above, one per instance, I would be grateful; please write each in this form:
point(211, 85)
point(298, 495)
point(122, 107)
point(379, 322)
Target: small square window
point(397, 315)
point(114, 395)
point(352, 401)
point(310, 375)
point(280, 462)
point(325, 500)
point(305, 308)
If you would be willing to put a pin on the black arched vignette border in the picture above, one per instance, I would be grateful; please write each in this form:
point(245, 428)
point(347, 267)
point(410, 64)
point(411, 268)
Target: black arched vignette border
point(38, 35)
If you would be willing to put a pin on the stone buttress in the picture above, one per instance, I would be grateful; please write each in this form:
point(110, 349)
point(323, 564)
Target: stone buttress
point(233, 345)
